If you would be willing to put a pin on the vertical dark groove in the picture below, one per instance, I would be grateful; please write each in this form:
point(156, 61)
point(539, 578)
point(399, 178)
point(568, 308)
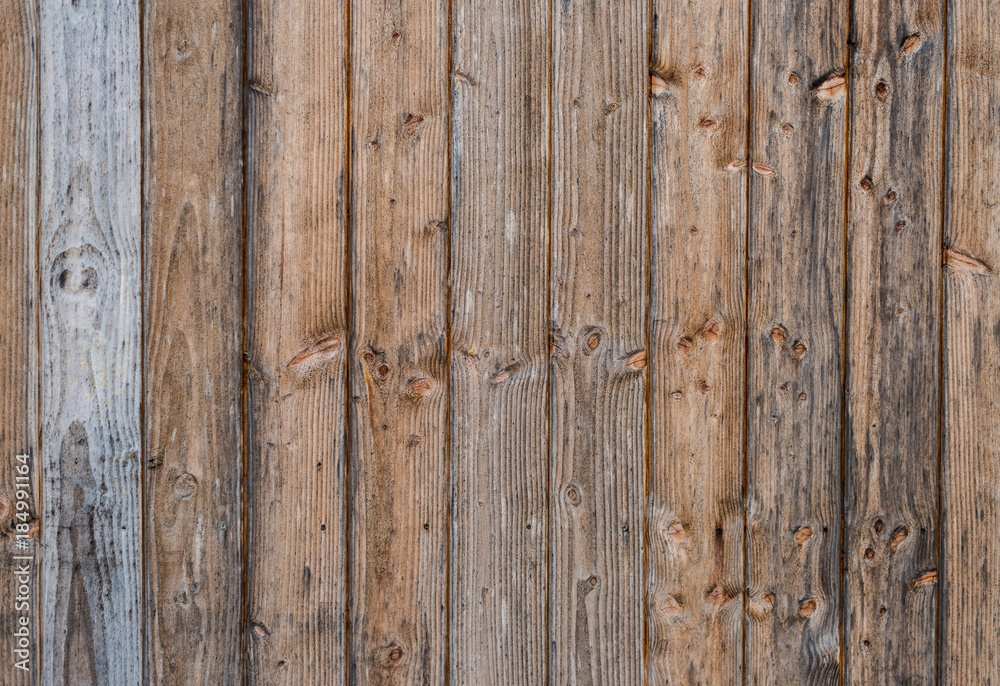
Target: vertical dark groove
point(38, 462)
point(143, 82)
point(349, 337)
point(447, 348)
point(548, 362)
point(245, 348)
point(746, 342)
point(942, 310)
point(647, 478)
point(842, 603)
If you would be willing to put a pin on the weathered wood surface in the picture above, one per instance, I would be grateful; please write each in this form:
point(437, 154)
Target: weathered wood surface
point(500, 170)
point(18, 337)
point(796, 337)
point(193, 299)
point(297, 338)
point(398, 352)
point(90, 341)
point(970, 612)
point(504, 343)
point(893, 334)
point(599, 294)
point(699, 177)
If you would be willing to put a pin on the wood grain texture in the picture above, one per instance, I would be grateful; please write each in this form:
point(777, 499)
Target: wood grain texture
point(18, 339)
point(795, 335)
point(499, 358)
point(398, 352)
point(699, 177)
point(893, 334)
point(970, 612)
point(193, 299)
point(599, 286)
point(91, 287)
point(297, 335)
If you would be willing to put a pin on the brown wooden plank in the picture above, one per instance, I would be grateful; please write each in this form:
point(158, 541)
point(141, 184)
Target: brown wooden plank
point(970, 558)
point(296, 243)
point(699, 110)
point(91, 300)
point(796, 316)
point(499, 355)
point(193, 73)
point(599, 286)
point(19, 578)
point(398, 352)
point(893, 334)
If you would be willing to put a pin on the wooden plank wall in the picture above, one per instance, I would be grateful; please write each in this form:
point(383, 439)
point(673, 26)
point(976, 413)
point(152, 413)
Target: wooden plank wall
point(435, 341)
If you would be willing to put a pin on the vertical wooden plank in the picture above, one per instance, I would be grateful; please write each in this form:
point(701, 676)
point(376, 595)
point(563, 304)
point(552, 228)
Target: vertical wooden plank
point(193, 69)
point(296, 241)
point(499, 358)
point(599, 288)
point(398, 352)
point(893, 335)
point(971, 461)
point(91, 286)
point(796, 315)
point(19, 615)
point(698, 325)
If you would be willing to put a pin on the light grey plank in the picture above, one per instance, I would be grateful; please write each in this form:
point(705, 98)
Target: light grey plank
point(90, 360)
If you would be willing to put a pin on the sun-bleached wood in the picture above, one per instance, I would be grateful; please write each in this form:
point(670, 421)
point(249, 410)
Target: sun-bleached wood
point(193, 301)
point(599, 295)
point(795, 333)
point(970, 610)
point(893, 301)
point(398, 351)
point(697, 345)
point(18, 332)
point(296, 339)
point(91, 286)
point(499, 352)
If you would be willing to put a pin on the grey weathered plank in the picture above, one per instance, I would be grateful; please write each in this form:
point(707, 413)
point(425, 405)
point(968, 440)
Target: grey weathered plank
point(795, 336)
point(297, 333)
point(893, 301)
point(90, 341)
point(970, 558)
point(599, 286)
point(699, 174)
point(499, 355)
point(398, 351)
point(193, 74)
point(18, 340)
